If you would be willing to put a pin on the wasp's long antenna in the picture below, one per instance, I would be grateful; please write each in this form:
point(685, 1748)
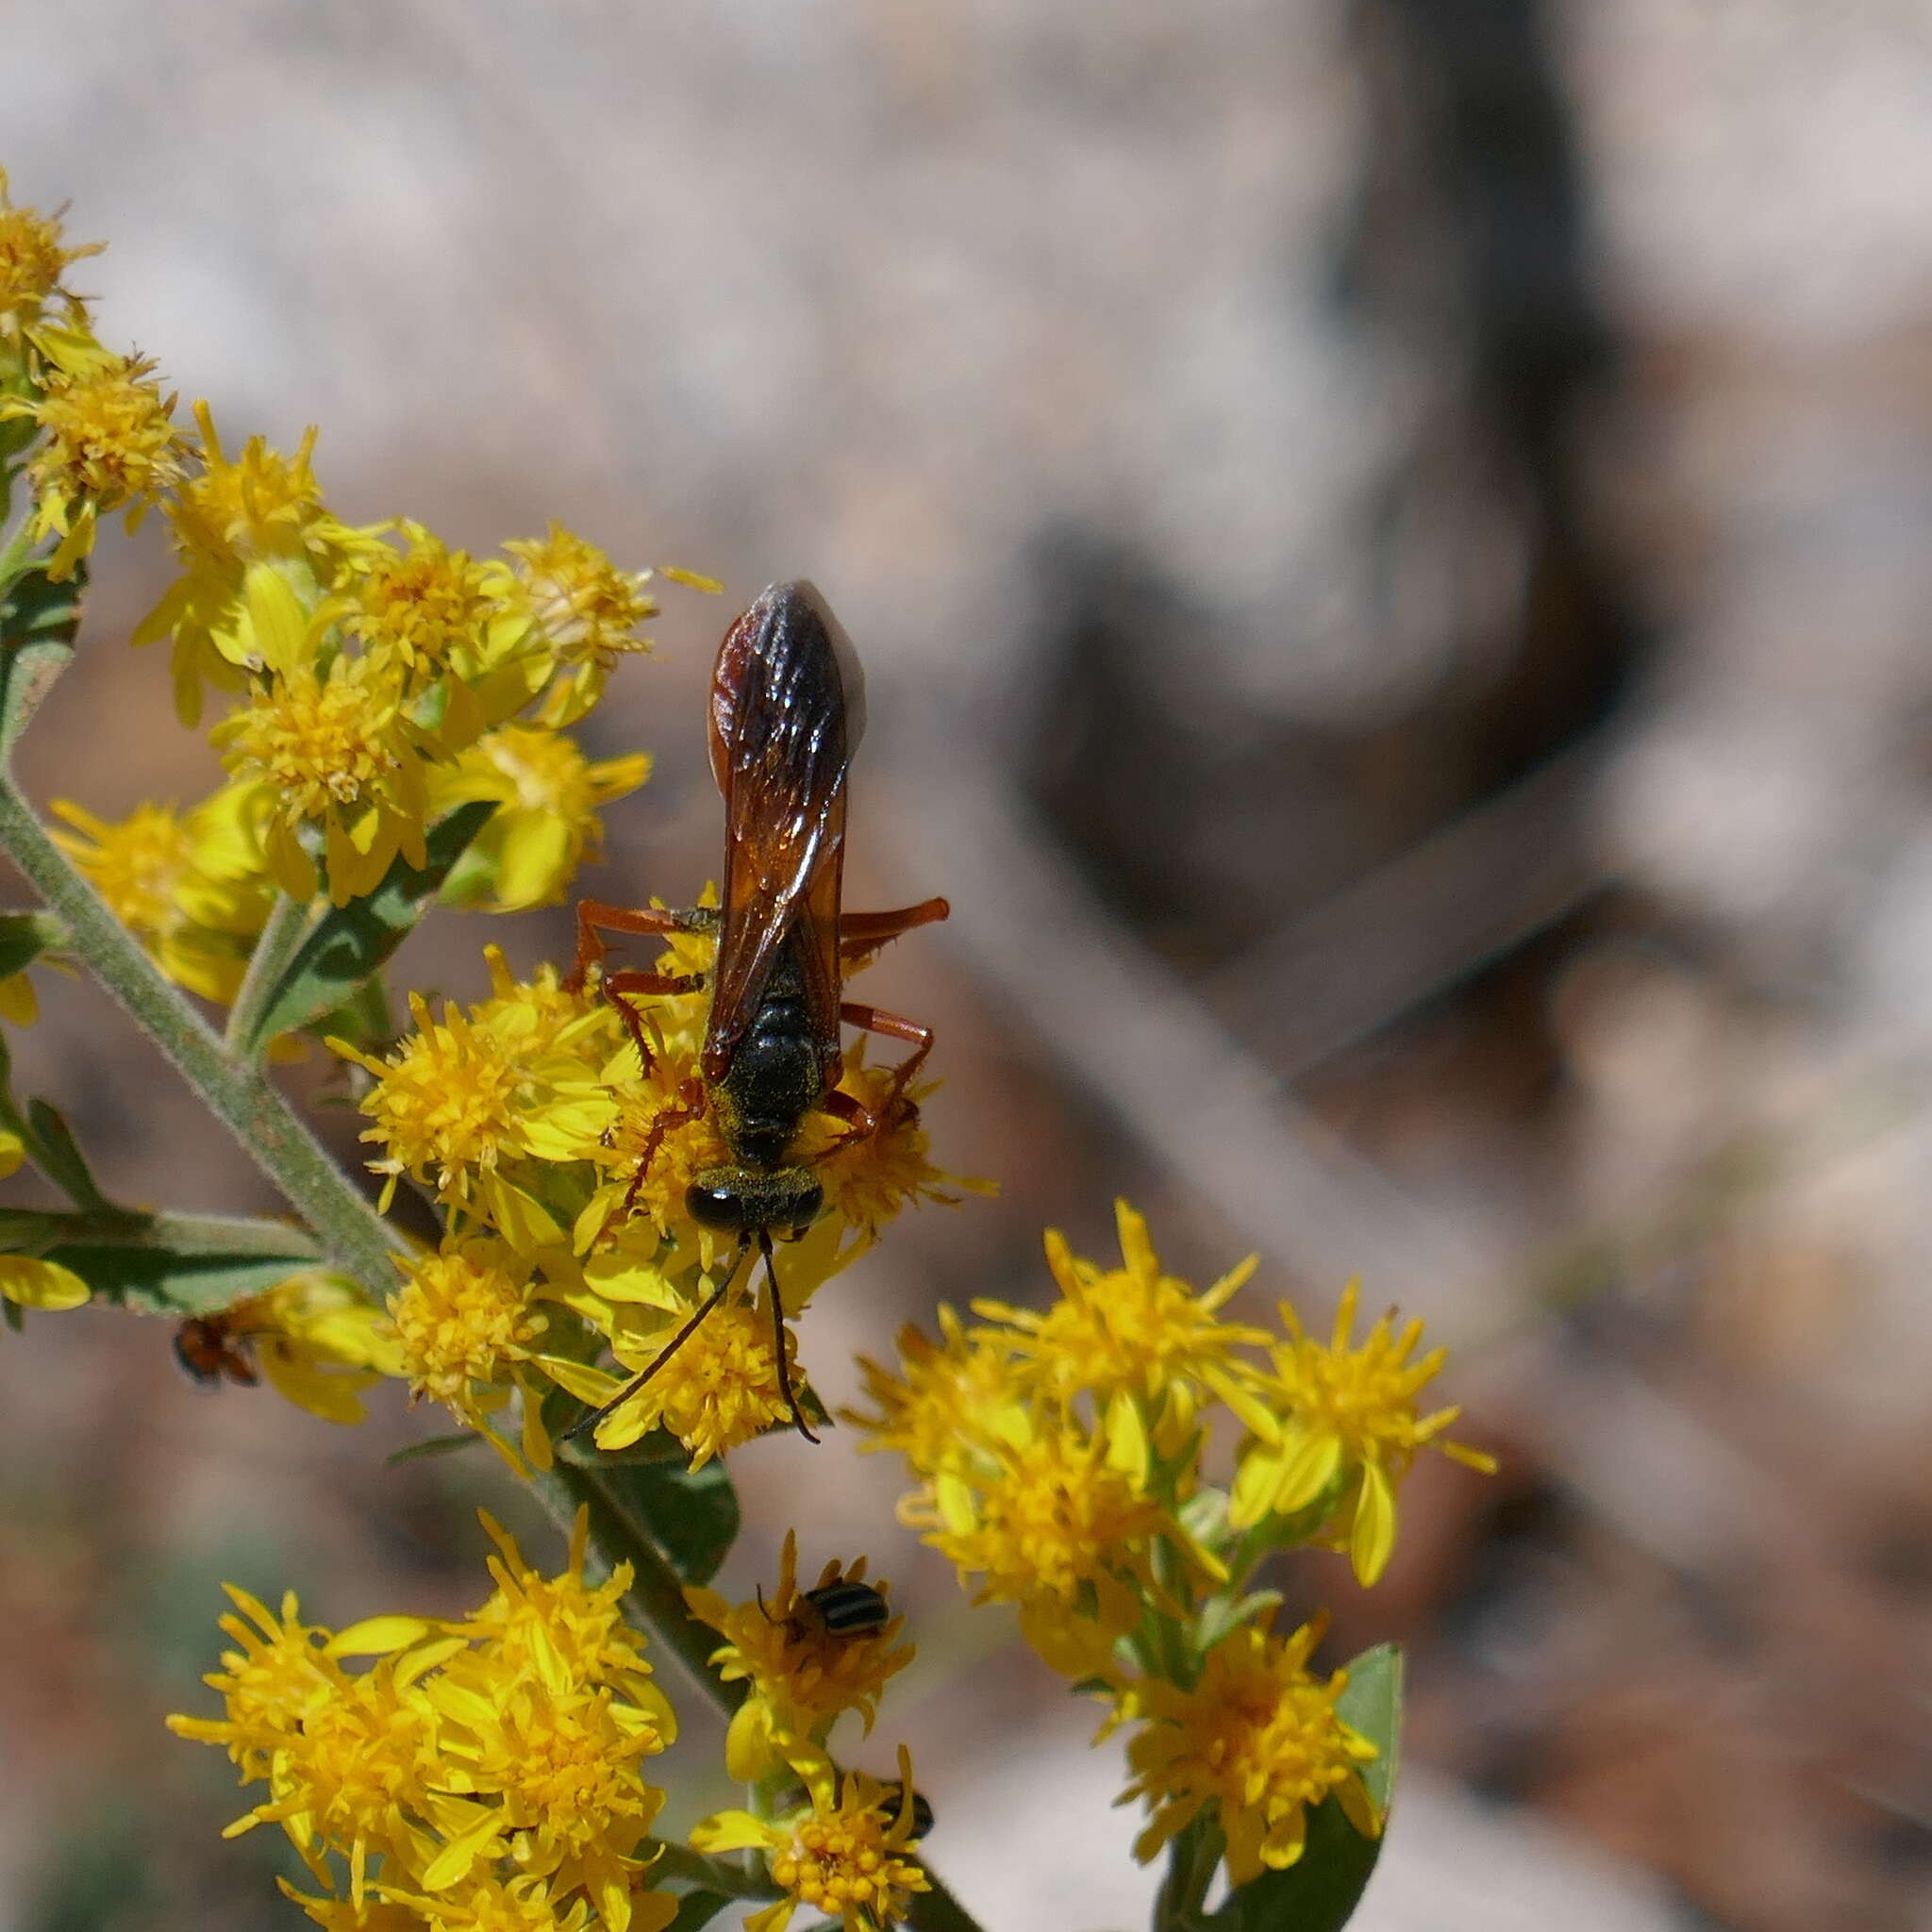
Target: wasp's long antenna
point(798, 1421)
point(592, 1417)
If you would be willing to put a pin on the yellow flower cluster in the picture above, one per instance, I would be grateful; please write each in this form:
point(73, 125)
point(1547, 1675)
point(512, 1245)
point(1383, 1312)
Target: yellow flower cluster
point(805, 1657)
point(1059, 1460)
point(482, 1773)
point(802, 1668)
point(561, 1160)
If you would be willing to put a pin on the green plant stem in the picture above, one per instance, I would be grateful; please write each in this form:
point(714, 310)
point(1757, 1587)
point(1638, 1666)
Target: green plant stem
point(281, 936)
point(1191, 1857)
point(350, 1232)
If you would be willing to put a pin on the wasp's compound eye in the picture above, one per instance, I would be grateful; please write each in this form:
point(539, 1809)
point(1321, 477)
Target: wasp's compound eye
point(715, 1206)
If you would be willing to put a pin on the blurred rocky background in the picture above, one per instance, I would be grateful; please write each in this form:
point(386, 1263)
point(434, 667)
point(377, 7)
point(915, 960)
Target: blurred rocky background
point(1391, 543)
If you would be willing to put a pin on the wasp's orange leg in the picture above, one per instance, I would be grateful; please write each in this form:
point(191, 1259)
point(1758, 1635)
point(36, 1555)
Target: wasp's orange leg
point(890, 1027)
point(594, 916)
point(690, 1107)
point(616, 985)
point(861, 934)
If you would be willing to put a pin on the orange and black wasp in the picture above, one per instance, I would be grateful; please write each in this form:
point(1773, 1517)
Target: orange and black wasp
point(787, 708)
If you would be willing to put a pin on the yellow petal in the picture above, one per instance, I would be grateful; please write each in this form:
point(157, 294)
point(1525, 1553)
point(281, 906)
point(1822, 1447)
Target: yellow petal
point(12, 1152)
point(1373, 1538)
point(731, 1831)
point(40, 1284)
point(17, 1002)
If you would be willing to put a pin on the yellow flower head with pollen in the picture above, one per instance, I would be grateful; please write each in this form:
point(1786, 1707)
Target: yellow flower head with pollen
point(718, 1391)
point(282, 1671)
point(331, 750)
point(802, 1673)
point(946, 1396)
point(461, 1101)
point(109, 443)
point(1130, 1330)
point(848, 1858)
point(419, 610)
point(1258, 1737)
point(466, 1321)
point(475, 1768)
point(31, 261)
point(585, 612)
point(1337, 1425)
point(547, 795)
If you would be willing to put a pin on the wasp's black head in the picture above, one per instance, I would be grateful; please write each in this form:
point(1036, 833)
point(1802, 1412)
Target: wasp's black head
point(742, 1200)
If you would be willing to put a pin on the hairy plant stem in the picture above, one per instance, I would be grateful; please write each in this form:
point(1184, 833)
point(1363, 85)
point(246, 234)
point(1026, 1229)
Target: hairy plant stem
point(353, 1234)
point(281, 937)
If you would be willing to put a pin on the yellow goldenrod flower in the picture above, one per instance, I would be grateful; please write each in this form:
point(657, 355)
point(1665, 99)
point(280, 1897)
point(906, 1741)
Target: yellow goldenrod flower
point(331, 751)
point(565, 1629)
point(1054, 1527)
point(29, 1283)
point(1259, 1738)
point(284, 1670)
point(1337, 1427)
point(417, 611)
point(262, 508)
point(869, 1177)
point(31, 262)
point(718, 1391)
point(480, 1773)
point(319, 1343)
point(110, 444)
point(584, 614)
point(946, 1397)
point(192, 888)
point(465, 1321)
point(462, 1101)
point(545, 823)
point(846, 1856)
point(1128, 1330)
point(802, 1674)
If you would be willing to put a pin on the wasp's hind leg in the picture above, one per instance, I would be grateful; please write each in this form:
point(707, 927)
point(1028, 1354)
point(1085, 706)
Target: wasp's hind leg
point(889, 1026)
point(861, 934)
point(596, 916)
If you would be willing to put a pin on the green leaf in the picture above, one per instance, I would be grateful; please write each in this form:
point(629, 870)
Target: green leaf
point(24, 935)
point(692, 1515)
point(59, 1156)
point(37, 622)
point(167, 1264)
point(696, 1908)
point(1321, 1890)
point(429, 1446)
point(351, 943)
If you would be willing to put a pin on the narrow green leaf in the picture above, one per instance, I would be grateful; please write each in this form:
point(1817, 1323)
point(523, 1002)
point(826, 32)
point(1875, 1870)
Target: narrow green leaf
point(24, 935)
point(697, 1908)
point(351, 943)
point(161, 1282)
point(37, 622)
point(1321, 1890)
point(165, 1265)
point(432, 1446)
point(57, 1155)
point(692, 1515)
